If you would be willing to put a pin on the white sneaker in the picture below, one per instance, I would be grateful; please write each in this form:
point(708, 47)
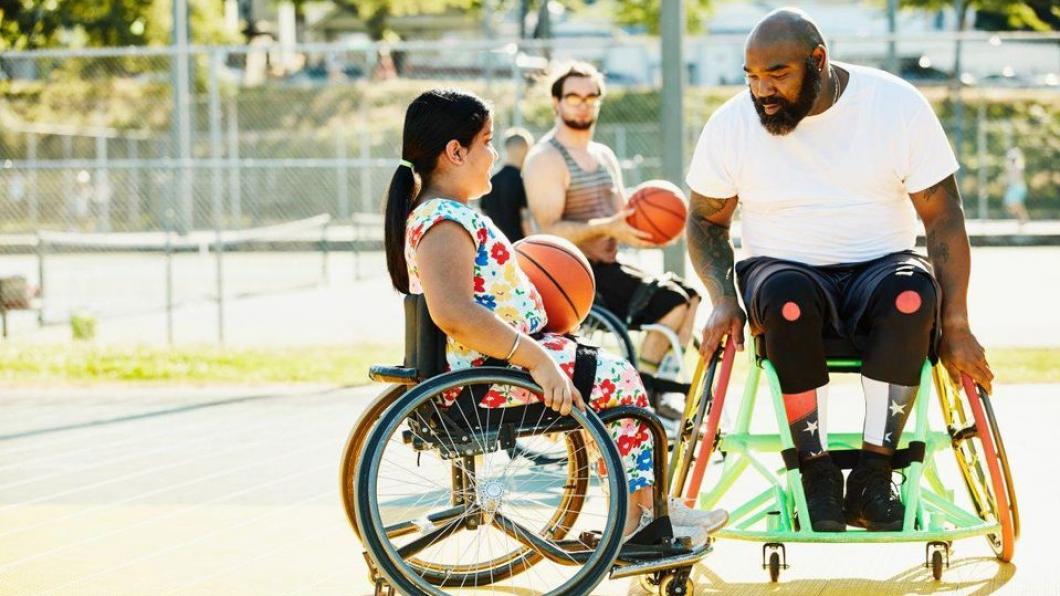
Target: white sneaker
point(669, 367)
point(697, 534)
point(710, 521)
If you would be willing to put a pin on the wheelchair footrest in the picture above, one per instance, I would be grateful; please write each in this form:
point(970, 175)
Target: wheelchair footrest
point(642, 553)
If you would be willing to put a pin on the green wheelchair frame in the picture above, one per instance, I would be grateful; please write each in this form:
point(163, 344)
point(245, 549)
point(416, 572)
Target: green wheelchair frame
point(932, 515)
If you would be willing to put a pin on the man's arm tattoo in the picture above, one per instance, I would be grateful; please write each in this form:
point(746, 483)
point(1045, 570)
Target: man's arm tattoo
point(947, 245)
point(711, 250)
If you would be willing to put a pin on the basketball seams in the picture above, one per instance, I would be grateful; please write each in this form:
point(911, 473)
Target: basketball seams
point(555, 283)
point(588, 272)
point(646, 197)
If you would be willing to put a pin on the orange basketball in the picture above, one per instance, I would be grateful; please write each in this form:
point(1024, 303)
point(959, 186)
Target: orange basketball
point(659, 209)
point(561, 275)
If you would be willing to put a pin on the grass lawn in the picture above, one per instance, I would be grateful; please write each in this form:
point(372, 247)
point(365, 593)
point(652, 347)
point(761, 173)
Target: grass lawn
point(340, 365)
point(81, 363)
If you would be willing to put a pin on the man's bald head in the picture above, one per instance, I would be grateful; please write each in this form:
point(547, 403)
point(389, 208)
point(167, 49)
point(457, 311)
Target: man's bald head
point(788, 26)
point(784, 59)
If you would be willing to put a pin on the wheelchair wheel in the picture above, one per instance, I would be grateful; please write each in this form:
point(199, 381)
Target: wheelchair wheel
point(604, 330)
point(441, 501)
point(981, 459)
point(351, 455)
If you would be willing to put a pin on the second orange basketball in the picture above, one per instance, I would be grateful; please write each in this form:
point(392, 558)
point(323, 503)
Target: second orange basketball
point(562, 276)
point(659, 208)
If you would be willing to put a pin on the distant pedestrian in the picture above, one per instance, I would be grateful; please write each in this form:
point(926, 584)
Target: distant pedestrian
point(505, 204)
point(1016, 186)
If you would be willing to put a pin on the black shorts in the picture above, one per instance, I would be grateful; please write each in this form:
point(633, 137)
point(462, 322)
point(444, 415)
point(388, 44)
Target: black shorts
point(617, 284)
point(847, 288)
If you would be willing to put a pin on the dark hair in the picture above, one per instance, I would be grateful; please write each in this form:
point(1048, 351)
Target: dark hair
point(576, 69)
point(431, 121)
point(517, 136)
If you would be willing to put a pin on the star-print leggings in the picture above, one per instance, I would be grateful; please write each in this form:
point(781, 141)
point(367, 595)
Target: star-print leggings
point(886, 309)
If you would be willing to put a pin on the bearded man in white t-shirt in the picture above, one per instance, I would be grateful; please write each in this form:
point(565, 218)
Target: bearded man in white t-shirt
point(831, 164)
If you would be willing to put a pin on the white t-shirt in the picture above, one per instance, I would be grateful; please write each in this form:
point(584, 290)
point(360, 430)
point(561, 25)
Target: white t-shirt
point(836, 188)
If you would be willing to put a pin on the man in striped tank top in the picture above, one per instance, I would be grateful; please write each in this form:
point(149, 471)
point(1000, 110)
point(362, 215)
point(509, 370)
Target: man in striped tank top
point(574, 189)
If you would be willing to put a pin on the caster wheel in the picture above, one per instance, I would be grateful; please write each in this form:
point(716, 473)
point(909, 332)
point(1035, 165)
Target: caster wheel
point(774, 558)
point(649, 583)
point(774, 567)
point(937, 558)
point(672, 586)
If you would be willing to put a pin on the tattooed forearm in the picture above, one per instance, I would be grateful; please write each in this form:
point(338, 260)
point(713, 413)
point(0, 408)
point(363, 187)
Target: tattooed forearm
point(711, 250)
point(947, 244)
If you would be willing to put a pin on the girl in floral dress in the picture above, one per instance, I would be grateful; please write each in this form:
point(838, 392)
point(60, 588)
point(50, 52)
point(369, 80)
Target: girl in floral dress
point(478, 296)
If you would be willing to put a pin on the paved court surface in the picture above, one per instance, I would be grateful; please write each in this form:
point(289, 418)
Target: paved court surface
point(234, 491)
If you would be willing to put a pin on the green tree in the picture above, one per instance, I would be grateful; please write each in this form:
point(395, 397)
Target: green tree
point(374, 13)
point(27, 25)
point(646, 13)
point(1019, 14)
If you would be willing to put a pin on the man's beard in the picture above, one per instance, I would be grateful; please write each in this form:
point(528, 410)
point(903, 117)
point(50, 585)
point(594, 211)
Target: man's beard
point(579, 124)
point(790, 113)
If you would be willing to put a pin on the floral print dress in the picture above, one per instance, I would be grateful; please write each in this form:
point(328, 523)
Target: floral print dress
point(502, 287)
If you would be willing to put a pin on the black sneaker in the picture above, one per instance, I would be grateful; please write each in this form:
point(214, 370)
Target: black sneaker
point(822, 482)
point(872, 500)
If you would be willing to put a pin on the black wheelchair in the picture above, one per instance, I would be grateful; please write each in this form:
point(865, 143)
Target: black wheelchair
point(442, 497)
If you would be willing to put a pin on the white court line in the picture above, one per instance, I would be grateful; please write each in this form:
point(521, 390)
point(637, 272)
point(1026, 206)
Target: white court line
point(73, 438)
point(165, 447)
point(283, 422)
point(196, 480)
point(172, 431)
point(157, 518)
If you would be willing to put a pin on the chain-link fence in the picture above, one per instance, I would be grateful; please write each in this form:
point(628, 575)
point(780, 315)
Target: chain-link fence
point(223, 172)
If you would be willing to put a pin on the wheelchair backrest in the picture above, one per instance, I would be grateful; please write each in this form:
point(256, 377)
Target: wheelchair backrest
point(424, 341)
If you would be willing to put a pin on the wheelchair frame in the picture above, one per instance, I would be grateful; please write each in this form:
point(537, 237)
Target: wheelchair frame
point(668, 564)
point(931, 515)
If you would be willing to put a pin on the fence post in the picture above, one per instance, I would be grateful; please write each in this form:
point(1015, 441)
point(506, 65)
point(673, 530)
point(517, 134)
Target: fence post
point(68, 179)
point(217, 185)
point(167, 225)
point(342, 184)
point(324, 267)
point(980, 149)
point(673, 29)
point(517, 86)
point(101, 187)
point(133, 151)
point(235, 201)
point(41, 249)
point(32, 195)
point(182, 114)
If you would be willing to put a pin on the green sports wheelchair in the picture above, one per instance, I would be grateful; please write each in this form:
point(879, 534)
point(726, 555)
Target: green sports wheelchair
point(934, 513)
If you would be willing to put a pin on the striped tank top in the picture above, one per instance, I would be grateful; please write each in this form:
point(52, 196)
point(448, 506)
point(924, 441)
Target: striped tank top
point(589, 196)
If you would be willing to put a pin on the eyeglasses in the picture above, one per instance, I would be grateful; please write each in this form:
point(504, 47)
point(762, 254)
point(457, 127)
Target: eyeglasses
point(574, 100)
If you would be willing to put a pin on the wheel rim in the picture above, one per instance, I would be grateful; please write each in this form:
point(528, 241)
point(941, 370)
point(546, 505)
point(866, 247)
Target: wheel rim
point(979, 464)
point(351, 455)
point(602, 329)
point(434, 565)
